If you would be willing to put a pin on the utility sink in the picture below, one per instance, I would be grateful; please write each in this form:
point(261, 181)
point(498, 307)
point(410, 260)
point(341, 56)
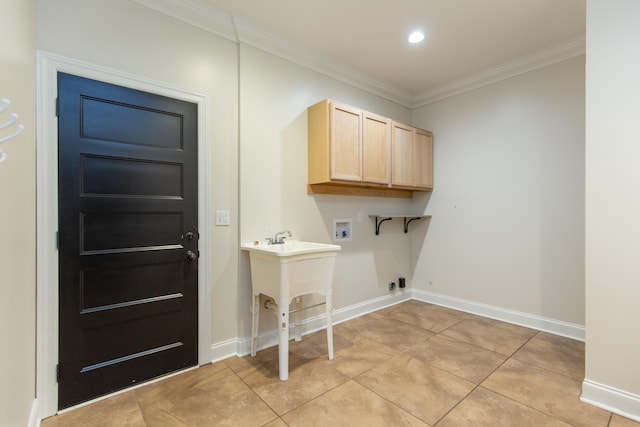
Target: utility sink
point(285, 272)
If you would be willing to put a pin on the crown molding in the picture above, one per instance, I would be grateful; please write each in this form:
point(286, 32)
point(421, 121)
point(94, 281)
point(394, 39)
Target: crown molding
point(252, 35)
point(197, 13)
point(524, 64)
point(239, 30)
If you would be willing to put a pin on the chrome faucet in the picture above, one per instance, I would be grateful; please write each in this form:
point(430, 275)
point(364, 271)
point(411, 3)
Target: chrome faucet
point(280, 240)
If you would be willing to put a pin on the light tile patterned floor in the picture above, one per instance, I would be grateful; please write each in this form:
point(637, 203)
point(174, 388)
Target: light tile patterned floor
point(413, 364)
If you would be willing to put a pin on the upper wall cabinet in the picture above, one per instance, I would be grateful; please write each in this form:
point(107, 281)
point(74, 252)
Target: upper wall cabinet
point(350, 152)
point(412, 157)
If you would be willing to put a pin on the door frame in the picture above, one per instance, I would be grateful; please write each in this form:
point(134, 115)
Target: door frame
point(47, 67)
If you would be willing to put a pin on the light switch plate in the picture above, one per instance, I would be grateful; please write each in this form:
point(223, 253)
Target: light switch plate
point(222, 218)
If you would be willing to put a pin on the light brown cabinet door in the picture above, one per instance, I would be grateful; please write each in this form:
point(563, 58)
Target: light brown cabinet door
point(423, 159)
point(375, 149)
point(401, 155)
point(346, 143)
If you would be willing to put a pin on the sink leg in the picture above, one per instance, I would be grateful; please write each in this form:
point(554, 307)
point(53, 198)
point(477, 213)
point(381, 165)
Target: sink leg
point(298, 318)
point(329, 306)
point(255, 317)
point(283, 346)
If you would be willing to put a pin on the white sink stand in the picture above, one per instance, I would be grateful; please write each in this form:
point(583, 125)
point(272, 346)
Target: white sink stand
point(285, 275)
point(282, 311)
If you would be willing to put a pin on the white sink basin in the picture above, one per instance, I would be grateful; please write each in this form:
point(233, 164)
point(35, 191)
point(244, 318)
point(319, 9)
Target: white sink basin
point(291, 269)
point(290, 248)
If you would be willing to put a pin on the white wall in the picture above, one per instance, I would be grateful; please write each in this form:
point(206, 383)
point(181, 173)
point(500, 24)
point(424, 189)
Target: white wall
point(274, 96)
point(17, 216)
point(613, 205)
point(508, 200)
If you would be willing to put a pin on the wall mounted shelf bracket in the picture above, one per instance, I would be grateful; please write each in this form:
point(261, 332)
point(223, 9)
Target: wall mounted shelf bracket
point(408, 219)
point(379, 221)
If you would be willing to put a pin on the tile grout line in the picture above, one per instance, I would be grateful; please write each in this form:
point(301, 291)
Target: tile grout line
point(514, 400)
point(507, 358)
point(545, 369)
point(410, 356)
point(389, 401)
point(435, 333)
point(293, 409)
point(144, 419)
point(354, 379)
point(253, 391)
point(484, 379)
point(362, 385)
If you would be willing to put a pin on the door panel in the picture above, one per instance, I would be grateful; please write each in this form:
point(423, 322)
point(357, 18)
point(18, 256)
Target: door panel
point(375, 149)
point(402, 155)
point(127, 177)
point(129, 124)
point(110, 176)
point(423, 160)
point(133, 231)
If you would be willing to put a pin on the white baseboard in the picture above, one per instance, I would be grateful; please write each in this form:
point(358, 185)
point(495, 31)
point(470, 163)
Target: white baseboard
point(556, 327)
point(242, 346)
point(34, 417)
point(224, 349)
point(611, 399)
point(357, 310)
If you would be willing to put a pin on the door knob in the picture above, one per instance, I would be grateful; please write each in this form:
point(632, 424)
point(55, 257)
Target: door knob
point(190, 235)
point(190, 255)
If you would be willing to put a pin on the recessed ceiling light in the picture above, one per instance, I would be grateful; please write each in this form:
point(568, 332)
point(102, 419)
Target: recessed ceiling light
point(416, 37)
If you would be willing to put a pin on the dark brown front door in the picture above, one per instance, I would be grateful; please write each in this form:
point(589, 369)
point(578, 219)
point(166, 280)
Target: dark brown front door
point(128, 238)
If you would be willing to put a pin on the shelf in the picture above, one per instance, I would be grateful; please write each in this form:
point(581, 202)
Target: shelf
point(407, 220)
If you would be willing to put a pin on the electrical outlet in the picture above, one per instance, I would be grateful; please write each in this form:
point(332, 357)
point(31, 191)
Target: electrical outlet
point(392, 286)
point(360, 216)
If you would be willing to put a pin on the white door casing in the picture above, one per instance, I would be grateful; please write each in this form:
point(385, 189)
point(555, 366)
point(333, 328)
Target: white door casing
point(48, 66)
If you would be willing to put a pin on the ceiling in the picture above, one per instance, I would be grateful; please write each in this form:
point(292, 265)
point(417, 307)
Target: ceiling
point(465, 40)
